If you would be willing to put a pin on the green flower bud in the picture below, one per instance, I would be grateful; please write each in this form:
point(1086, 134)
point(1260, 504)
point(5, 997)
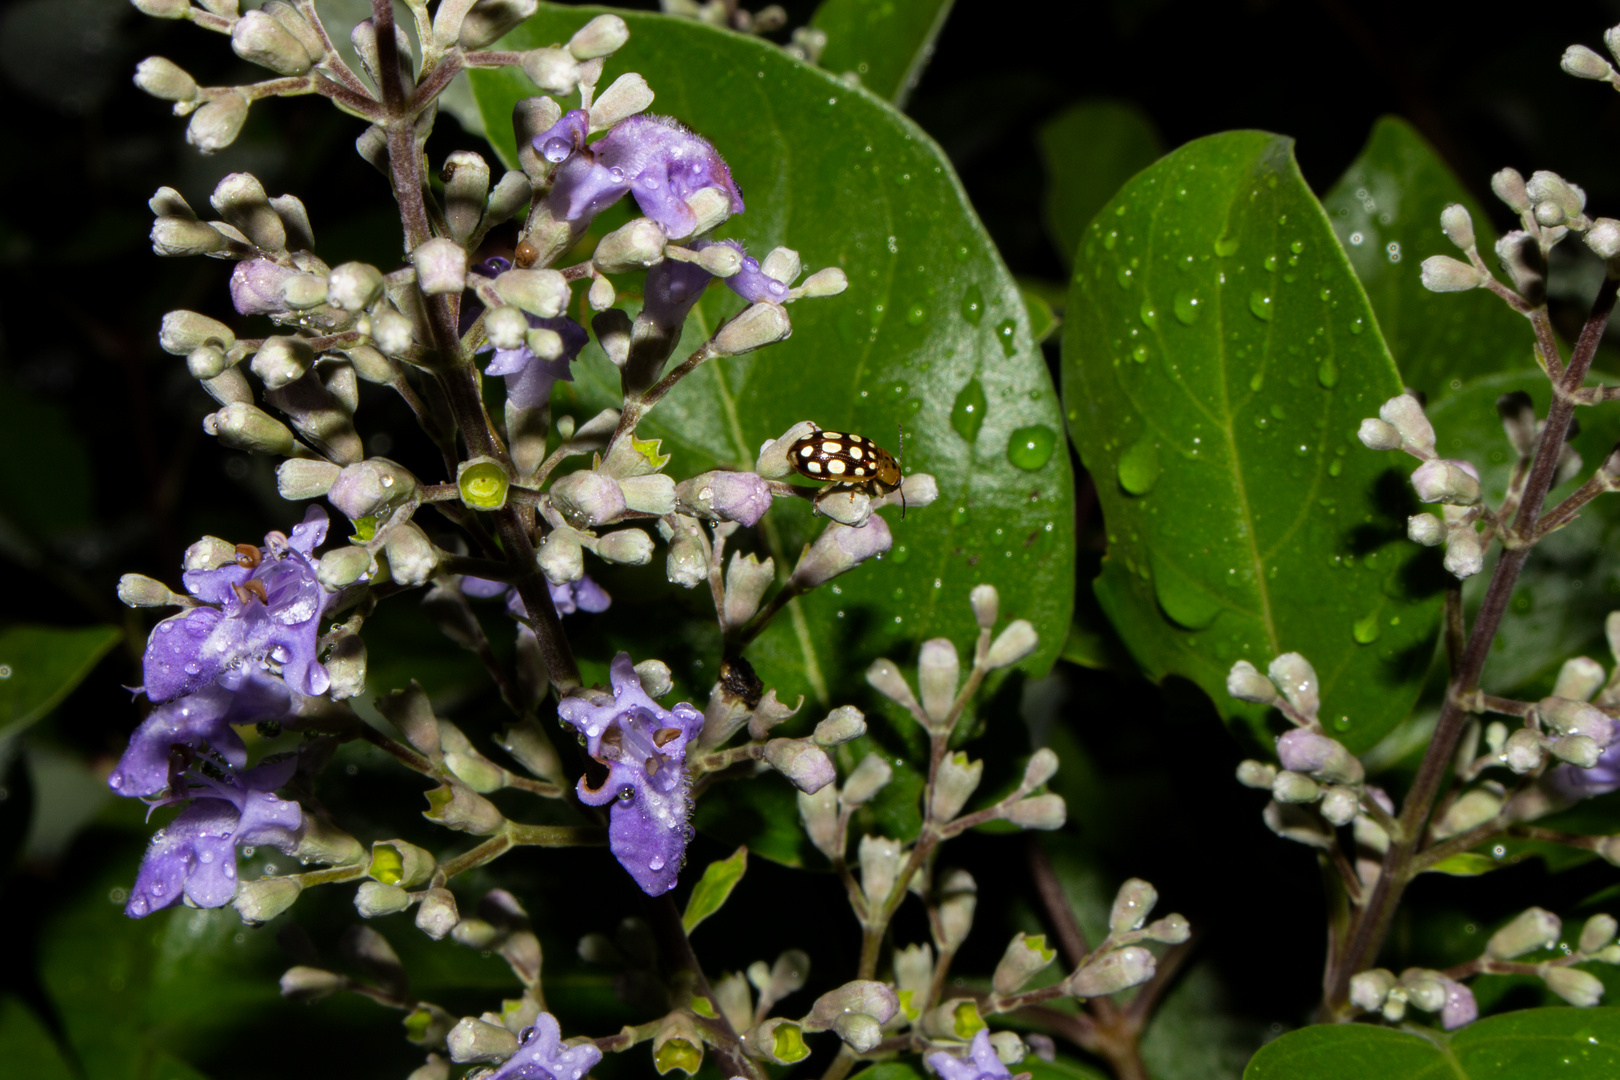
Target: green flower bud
point(1042, 766)
point(304, 291)
point(458, 807)
point(354, 286)
point(958, 896)
point(466, 186)
point(1012, 644)
point(241, 200)
point(186, 331)
point(635, 246)
point(1580, 988)
point(374, 899)
point(1293, 787)
point(1132, 905)
point(241, 426)
point(841, 725)
point(138, 590)
point(259, 39)
point(552, 70)
point(756, 326)
point(828, 281)
point(302, 478)
point(1598, 932)
point(710, 208)
point(165, 79)
point(174, 236)
point(868, 778)
point(392, 332)
point(1171, 930)
point(475, 1040)
point(628, 96)
point(164, 9)
point(209, 553)
point(957, 1018)
point(324, 843)
point(262, 900)
point(631, 547)
point(483, 483)
point(1024, 959)
point(512, 192)
point(506, 327)
point(410, 712)
point(428, 1025)
point(344, 566)
point(488, 20)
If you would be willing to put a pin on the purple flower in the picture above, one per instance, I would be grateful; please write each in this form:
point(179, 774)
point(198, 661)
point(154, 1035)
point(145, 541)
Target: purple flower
point(200, 721)
point(572, 596)
point(981, 1062)
point(529, 379)
point(195, 854)
point(670, 290)
point(564, 137)
point(751, 283)
point(262, 614)
point(644, 748)
point(541, 1055)
point(652, 157)
point(1460, 1007)
point(256, 286)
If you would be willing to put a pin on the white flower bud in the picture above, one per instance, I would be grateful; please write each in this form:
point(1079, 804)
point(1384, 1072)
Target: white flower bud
point(1256, 774)
point(801, 761)
point(1038, 812)
point(185, 331)
point(1451, 482)
point(1510, 188)
point(165, 79)
point(957, 897)
point(986, 602)
point(241, 200)
point(634, 246)
point(436, 915)
point(1576, 718)
point(1369, 989)
point(938, 672)
point(466, 187)
point(880, 865)
point(819, 813)
point(362, 489)
point(375, 899)
point(721, 260)
point(300, 478)
point(1293, 787)
point(600, 295)
point(282, 361)
point(164, 9)
point(710, 207)
point(539, 292)
point(782, 264)
point(174, 236)
point(650, 493)
point(560, 557)
point(1245, 683)
point(602, 36)
point(1132, 905)
point(412, 558)
point(1443, 274)
point(1025, 958)
point(392, 332)
point(1580, 988)
point(343, 566)
point(886, 679)
point(1547, 186)
point(303, 291)
point(354, 286)
point(841, 725)
point(957, 780)
point(1583, 63)
point(441, 266)
point(746, 581)
point(1170, 930)
point(756, 326)
point(552, 70)
point(631, 547)
point(1405, 415)
point(1579, 679)
point(1533, 928)
point(1604, 238)
point(1013, 644)
point(1115, 971)
point(773, 455)
point(828, 281)
point(262, 900)
point(241, 426)
point(1611, 38)
point(1375, 434)
point(1296, 679)
point(1465, 555)
point(1041, 767)
point(1474, 808)
point(506, 327)
point(840, 548)
point(1523, 751)
point(1425, 529)
point(1340, 804)
point(588, 498)
point(305, 984)
point(475, 1040)
point(1458, 226)
point(628, 96)
point(487, 20)
point(1578, 750)
point(869, 778)
point(1599, 931)
point(259, 39)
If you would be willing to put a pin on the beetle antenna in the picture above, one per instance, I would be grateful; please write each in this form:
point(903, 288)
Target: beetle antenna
point(898, 461)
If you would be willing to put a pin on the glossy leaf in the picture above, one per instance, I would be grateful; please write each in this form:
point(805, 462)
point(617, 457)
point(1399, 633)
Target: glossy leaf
point(931, 310)
point(1090, 150)
point(1386, 212)
point(886, 44)
point(714, 888)
point(26, 1045)
point(40, 665)
point(1573, 1044)
point(1572, 579)
point(1218, 357)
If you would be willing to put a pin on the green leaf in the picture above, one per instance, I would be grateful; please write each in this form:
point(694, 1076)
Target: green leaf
point(40, 665)
point(1218, 357)
point(1466, 864)
point(1060, 1068)
point(887, 43)
point(931, 310)
point(1090, 150)
point(1572, 579)
point(26, 1045)
point(1386, 212)
point(1573, 1044)
point(1198, 1032)
point(1043, 321)
point(714, 888)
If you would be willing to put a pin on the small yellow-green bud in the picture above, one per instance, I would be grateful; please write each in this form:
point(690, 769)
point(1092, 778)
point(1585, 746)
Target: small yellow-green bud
point(398, 862)
point(483, 483)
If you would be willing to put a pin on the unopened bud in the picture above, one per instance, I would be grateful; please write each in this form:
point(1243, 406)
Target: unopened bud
point(868, 778)
point(1041, 767)
point(1115, 971)
point(241, 426)
point(841, 725)
point(552, 70)
point(1465, 555)
point(1132, 905)
point(543, 293)
point(262, 900)
point(183, 332)
point(1510, 188)
point(1443, 274)
point(138, 590)
point(721, 260)
point(630, 547)
point(1375, 434)
point(859, 998)
point(1293, 787)
point(600, 295)
point(506, 328)
point(1339, 804)
point(1013, 644)
point(829, 281)
point(1474, 808)
point(282, 361)
point(840, 548)
point(375, 899)
point(1578, 750)
point(957, 897)
point(938, 672)
point(880, 865)
point(488, 20)
point(1599, 931)
point(1534, 928)
point(602, 36)
point(1458, 226)
point(801, 761)
point(628, 96)
point(986, 603)
point(1256, 774)
point(782, 263)
point(819, 814)
point(756, 326)
point(561, 557)
point(1583, 63)
point(773, 461)
point(955, 783)
point(1404, 413)
point(164, 9)
point(1038, 812)
point(710, 207)
point(1604, 238)
point(746, 581)
point(1024, 959)
point(1576, 718)
point(1170, 930)
point(441, 266)
point(1546, 186)
point(476, 1040)
point(1521, 257)
point(392, 332)
point(1245, 683)
point(1296, 678)
point(301, 478)
point(165, 79)
point(1425, 529)
point(1327, 759)
point(1523, 751)
point(259, 39)
point(456, 806)
point(310, 983)
point(436, 914)
point(1580, 988)
point(1369, 989)
point(354, 286)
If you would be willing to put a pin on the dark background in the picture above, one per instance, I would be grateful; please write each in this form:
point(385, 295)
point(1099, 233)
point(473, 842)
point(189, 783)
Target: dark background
point(81, 296)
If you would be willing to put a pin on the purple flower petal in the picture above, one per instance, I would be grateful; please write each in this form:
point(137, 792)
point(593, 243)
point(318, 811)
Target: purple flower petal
point(529, 379)
point(201, 721)
point(541, 1055)
point(751, 283)
point(644, 747)
point(256, 286)
point(981, 1062)
point(670, 290)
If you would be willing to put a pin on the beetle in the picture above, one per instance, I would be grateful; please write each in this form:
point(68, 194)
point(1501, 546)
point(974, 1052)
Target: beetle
point(851, 461)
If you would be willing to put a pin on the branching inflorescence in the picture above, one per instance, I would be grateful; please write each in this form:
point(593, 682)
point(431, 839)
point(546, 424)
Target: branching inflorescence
point(272, 635)
point(1548, 754)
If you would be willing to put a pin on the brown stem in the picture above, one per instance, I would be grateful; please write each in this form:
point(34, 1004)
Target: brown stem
point(1397, 871)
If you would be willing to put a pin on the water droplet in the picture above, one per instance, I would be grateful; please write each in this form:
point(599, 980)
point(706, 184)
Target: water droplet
point(1187, 603)
point(1123, 277)
point(1150, 317)
point(917, 315)
point(1270, 264)
point(1140, 354)
point(656, 863)
point(1336, 466)
point(1226, 245)
point(962, 254)
point(1327, 373)
point(1111, 239)
point(967, 415)
point(1278, 412)
point(1342, 724)
point(1256, 381)
point(1260, 305)
point(973, 304)
point(1006, 331)
point(1187, 307)
point(1297, 246)
point(556, 149)
point(1357, 326)
point(1139, 467)
point(1031, 447)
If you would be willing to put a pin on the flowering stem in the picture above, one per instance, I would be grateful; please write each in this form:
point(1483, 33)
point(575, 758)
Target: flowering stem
point(666, 923)
point(1398, 867)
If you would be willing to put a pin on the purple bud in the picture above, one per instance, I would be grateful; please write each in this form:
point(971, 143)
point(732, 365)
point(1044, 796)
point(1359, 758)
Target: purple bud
point(742, 497)
point(840, 548)
point(256, 286)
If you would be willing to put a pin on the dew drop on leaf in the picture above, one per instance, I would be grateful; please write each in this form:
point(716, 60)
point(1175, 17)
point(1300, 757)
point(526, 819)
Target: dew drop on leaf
point(1031, 447)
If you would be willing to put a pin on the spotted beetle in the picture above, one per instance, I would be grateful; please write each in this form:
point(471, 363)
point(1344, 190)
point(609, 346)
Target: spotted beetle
point(851, 461)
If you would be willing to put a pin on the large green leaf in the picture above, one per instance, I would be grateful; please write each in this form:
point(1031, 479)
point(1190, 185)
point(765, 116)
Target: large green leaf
point(886, 42)
point(1572, 1044)
point(931, 315)
point(1572, 579)
point(40, 665)
point(1090, 149)
point(1386, 212)
point(1218, 357)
